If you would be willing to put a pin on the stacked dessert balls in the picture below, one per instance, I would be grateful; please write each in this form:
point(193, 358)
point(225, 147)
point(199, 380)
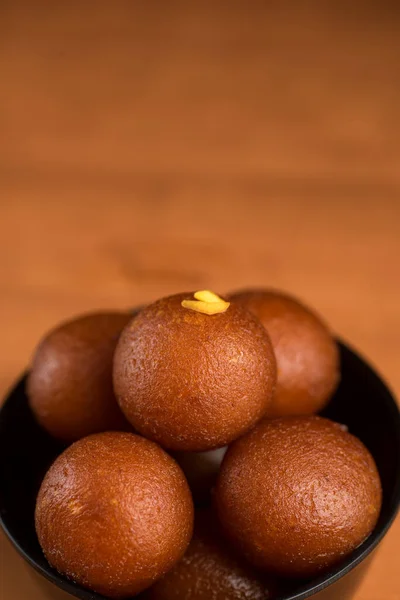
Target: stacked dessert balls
point(197, 466)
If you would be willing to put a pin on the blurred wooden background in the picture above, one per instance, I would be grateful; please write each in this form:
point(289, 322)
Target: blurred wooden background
point(151, 147)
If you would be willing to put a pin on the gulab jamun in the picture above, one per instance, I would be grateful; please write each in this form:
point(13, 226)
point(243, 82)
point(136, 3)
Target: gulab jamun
point(194, 374)
point(70, 386)
point(307, 356)
point(298, 494)
point(114, 513)
point(210, 570)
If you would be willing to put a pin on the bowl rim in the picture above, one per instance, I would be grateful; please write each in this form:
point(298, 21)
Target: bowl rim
point(309, 588)
point(366, 548)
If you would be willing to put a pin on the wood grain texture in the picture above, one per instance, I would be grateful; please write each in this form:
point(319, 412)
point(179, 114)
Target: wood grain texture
point(148, 148)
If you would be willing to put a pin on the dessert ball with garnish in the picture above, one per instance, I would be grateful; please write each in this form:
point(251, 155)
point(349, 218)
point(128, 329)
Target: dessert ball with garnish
point(296, 495)
point(210, 569)
point(70, 387)
point(307, 356)
point(194, 372)
point(114, 513)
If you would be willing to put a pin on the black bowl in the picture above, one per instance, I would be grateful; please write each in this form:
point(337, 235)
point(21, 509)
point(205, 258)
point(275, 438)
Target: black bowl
point(362, 402)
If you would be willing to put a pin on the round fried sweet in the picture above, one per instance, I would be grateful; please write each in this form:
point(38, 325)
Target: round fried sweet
point(307, 356)
point(210, 569)
point(70, 387)
point(114, 513)
point(192, 380)
point(298, 494)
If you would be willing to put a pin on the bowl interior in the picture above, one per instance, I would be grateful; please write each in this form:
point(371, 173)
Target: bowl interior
point(362, 402)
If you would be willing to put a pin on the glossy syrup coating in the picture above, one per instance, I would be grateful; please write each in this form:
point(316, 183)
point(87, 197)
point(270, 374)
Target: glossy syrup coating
point(70, 387)
point(298, 494)
point(307, 356)
point(211, 570)
point(114, 513)
point(193, 381)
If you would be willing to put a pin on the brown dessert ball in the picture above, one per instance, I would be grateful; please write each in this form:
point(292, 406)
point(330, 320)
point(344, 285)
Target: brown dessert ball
point(297, 495)
point(210, 570)
point(114, 513)
point(201, 470)
point(70, 387)
point(307, 356)
point(193, 381)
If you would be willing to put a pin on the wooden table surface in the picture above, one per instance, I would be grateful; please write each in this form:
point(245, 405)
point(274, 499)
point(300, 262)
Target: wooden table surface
point(148, 148)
